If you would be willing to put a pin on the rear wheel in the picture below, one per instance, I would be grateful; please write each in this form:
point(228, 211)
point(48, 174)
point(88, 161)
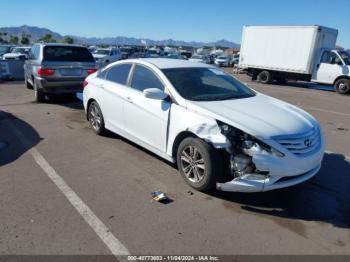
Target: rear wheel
point(96, 119)
point(39, 96)
point(342, 86)
point(265, 77)
point(27, 84)
point(199, 164)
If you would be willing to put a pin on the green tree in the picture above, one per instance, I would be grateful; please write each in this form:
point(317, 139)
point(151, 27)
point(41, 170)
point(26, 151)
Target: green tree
point(68, 40)
point(25, 40)
point(48, 39)
point(14, 40)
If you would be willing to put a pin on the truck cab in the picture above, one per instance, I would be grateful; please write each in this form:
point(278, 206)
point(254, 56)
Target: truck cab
point(333, 68)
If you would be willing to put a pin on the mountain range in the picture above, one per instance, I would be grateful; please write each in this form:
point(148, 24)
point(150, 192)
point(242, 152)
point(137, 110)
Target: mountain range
point(37, 33)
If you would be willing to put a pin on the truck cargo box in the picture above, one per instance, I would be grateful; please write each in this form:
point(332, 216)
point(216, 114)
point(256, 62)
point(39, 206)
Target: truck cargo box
point(285, 48)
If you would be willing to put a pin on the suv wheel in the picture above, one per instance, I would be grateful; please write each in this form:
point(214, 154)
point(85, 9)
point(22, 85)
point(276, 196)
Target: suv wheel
point(265, 77)
point(199, 164)
point(95, 118)
point(342, 86)
point(39, 96)
point(27, 84)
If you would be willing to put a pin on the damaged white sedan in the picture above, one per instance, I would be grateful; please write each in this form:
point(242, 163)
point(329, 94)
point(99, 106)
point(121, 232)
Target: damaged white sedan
point(219, 132)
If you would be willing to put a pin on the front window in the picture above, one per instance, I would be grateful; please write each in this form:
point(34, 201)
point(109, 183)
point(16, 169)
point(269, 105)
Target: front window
point(345, 56)
point(206, 84)
point(144, 78)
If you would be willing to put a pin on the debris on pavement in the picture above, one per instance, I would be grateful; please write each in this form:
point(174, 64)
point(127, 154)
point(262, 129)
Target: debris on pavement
point(159, 196)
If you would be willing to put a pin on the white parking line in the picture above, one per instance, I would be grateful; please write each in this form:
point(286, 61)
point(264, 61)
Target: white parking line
point(114, 245)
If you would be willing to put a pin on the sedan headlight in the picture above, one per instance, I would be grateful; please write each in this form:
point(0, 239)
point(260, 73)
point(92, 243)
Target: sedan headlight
point(245, 141)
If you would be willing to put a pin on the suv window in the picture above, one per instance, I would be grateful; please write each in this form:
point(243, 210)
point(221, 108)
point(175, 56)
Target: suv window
point(144, 78)
point(67, 54)
point(118, 74)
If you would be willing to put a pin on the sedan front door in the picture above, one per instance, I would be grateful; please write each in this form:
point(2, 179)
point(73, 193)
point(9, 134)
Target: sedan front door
point(146, 119)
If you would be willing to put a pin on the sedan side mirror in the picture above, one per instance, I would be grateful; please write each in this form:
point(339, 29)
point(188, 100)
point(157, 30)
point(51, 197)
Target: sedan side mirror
point(155, 93)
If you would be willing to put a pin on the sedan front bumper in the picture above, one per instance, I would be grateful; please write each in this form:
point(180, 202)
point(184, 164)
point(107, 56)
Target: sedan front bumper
point(251, 185)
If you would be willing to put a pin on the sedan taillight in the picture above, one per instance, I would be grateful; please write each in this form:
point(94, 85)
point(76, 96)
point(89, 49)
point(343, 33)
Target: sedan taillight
point(85, 83)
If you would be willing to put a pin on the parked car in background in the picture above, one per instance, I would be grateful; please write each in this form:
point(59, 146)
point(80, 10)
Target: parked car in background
point(57, 69)
point(175, 56)
point(219, 132)
point(104, 56)
point(139, 55)
point(17, 53)
point(222, 61)
point(4, 49)
point(234, 60)
point(200, 58)
point(126, 52)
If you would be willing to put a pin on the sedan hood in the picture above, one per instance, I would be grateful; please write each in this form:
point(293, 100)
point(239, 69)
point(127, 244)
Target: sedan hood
point(260, 116)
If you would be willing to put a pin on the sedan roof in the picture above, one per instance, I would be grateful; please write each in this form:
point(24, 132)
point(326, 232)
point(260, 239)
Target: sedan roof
point(164, 63)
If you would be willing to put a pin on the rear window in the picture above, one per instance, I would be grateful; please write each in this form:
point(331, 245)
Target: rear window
point(67, 54)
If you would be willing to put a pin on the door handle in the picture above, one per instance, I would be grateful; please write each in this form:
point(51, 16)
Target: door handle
point(129, 99)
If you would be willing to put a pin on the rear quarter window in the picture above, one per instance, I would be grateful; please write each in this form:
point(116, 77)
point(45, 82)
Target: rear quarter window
point(67, 54)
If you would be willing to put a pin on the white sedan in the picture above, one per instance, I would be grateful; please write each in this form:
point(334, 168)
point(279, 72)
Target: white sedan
point(219, 132)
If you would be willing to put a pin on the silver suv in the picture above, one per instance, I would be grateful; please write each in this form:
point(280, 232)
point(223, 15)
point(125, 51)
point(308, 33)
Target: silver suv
point(57, 69)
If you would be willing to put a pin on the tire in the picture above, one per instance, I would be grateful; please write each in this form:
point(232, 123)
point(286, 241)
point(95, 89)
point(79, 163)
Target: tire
point(27, 84)
point(39, 96)
point(265, 77)
point(96, 119)
point(342, 86)
point(199, 164)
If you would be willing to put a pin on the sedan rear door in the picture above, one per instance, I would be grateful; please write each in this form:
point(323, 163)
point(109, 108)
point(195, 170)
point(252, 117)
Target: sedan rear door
point(112, 88)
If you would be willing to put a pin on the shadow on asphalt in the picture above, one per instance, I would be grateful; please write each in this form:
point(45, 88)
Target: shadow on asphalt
point(13, 148)
point(305, 85)
point(69, 100)
point(325, 198)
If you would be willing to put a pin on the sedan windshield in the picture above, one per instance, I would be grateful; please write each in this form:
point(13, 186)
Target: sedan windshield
point(206, 84)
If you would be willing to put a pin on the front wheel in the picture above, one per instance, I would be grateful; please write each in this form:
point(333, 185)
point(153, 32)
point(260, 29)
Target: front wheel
point(199, 164)
point(342, 86)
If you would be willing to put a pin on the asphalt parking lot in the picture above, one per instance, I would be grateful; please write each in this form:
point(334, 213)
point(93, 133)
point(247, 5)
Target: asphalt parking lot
point(64, 190)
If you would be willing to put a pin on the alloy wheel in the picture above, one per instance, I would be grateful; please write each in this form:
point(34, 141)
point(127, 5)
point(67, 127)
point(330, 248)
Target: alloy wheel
point(192, 164)
point(95, 117)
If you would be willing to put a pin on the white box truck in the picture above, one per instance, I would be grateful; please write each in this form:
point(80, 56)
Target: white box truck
point(308, 53)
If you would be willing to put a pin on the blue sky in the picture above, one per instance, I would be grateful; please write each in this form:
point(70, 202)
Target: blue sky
point(198, 20)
